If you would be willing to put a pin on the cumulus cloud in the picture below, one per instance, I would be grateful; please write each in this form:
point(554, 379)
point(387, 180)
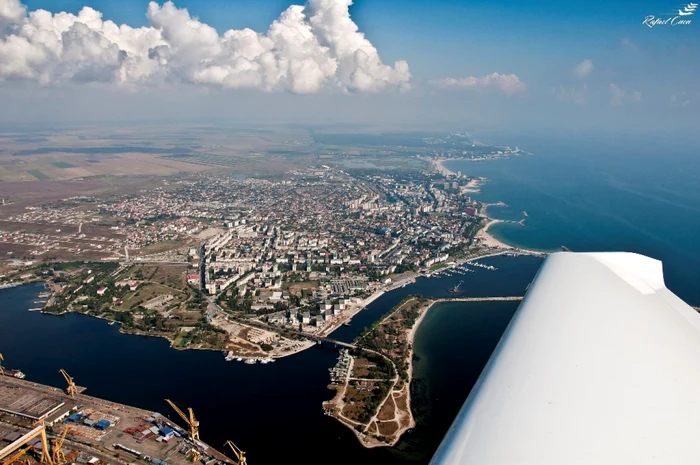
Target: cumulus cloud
point(509, 84)
point(307, 48)
point(618, 95)
point(584, 69)
point(575, 95)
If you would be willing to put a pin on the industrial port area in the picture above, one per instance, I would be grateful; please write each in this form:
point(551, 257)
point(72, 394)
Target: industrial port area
point(43, 424)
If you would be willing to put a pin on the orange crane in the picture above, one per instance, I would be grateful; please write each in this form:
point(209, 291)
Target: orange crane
point(72, 389)
point(38, 432)
point(240, 455)
point(57, 455)
point(191, 421)
point(194, 455)
point(16, 456)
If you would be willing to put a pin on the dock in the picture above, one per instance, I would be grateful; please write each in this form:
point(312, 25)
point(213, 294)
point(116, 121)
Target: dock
point(99, 429)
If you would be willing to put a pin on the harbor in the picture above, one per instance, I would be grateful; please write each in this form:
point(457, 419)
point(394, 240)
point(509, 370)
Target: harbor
point(94, 429)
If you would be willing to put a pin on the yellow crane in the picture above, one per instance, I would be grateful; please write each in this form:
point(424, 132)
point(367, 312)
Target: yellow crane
point(240, 455)
point(194, 455)
point(72, 389)
point(16, 456)
point(57, 455)
point(191, 421)
point(24, 440)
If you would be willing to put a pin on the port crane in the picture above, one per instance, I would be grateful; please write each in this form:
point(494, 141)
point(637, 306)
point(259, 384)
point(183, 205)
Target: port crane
point(57, 454)
point(240, 455)
point(12, 449)
point(194, 455)
point(16, 456)
point(72, 389)
point(191, 421)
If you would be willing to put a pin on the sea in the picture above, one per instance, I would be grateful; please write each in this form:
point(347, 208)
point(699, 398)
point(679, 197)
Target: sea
point(600, 194)
point(603, 197)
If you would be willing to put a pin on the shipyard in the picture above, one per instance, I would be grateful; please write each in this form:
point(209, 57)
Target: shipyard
point(44, 424)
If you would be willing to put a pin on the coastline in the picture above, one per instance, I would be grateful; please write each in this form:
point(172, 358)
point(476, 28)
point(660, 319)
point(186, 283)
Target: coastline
point(489, 240)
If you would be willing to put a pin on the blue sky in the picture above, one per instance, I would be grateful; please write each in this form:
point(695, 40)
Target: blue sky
point(647, 75)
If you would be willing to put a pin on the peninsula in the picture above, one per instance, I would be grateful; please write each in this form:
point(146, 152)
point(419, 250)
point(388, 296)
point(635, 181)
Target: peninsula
point(372, 379)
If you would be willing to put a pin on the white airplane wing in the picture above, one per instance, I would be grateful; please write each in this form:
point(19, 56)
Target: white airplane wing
point(600, 365)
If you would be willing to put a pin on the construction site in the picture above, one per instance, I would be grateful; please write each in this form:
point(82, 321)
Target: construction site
point(41, 424)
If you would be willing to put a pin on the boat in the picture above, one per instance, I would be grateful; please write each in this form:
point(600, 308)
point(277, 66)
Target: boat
point(8, 285)
point(229, 357)
point(14, 373)
point(239, 359)
point(250, 361)
point(111, 323)
point(455, 289)
point(37, 309)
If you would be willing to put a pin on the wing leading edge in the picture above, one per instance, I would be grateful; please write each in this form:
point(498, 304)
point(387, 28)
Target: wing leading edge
point(599, 365)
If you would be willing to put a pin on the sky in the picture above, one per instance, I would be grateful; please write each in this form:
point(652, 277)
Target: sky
point(550, 66)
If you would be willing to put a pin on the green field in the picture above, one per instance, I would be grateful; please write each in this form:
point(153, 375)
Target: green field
point(208, 159)
point(62, 164)
point(38, 174)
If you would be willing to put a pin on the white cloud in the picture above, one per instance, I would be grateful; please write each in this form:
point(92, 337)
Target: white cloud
point(306, 49)
point(616, 95)
point(680, 100)
point(627, 42)
point(509, 84)
point(584, 69)
point(575, 95)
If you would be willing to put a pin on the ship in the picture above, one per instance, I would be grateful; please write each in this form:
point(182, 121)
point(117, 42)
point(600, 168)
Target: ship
point(14, 373)
point(455, 289)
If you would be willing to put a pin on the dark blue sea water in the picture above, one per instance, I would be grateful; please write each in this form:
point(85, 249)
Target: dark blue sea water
point(602, 196)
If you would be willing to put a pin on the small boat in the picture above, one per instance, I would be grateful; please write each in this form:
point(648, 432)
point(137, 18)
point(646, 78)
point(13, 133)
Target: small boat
point(250, 361)
point(239, 359)
point(229, 357)
point(38, 309)
point(111, 323)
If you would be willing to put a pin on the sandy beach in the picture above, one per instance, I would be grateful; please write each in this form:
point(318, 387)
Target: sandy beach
point(439, 166)
point(487, 239)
